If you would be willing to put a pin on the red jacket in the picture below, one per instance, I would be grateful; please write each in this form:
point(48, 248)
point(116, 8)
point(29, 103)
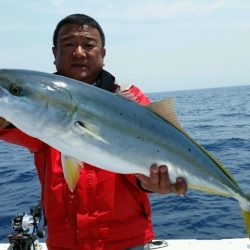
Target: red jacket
point(106, 211)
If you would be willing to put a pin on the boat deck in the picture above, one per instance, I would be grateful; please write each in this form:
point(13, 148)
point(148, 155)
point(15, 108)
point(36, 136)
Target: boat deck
point(192, 244)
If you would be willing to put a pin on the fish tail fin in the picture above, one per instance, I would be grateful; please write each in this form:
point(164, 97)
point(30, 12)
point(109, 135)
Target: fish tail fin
point(71, 170)
point(245, 208)
point(246, 217)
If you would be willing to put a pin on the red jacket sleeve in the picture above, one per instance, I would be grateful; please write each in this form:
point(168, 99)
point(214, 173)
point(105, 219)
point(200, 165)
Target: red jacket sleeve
point(137, 95)
point(16, 136)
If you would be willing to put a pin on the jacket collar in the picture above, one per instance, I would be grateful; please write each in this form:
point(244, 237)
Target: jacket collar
point(105, 81)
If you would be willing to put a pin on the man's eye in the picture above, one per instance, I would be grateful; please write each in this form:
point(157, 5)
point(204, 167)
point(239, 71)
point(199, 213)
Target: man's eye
point(89, 46)
point(69, 44)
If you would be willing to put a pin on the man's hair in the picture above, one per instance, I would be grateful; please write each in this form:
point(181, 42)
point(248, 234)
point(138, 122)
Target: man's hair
point(78, 19)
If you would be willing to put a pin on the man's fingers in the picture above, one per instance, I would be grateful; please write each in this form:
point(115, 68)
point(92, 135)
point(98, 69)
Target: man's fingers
point(180, 187)
point(164, 179)
point(154, 176)
point(159, 182)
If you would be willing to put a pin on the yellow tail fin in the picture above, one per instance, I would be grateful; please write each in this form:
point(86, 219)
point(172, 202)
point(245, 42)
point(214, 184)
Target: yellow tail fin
point(246, 216)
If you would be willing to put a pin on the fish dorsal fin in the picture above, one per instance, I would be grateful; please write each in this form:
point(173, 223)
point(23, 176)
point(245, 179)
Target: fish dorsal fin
point(165, 109)
point(71, 170)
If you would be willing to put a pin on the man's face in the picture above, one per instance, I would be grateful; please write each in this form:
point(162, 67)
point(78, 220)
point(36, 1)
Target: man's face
point(79, 53)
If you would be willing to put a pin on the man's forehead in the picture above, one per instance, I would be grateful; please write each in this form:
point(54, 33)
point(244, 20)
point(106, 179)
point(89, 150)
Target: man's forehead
point(83, 27)
point(78, 30)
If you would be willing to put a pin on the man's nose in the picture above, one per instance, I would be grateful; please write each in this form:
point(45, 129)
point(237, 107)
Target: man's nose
point(79, 52)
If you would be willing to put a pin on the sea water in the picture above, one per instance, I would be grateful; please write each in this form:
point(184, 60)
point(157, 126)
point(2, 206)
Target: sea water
point(218, 119)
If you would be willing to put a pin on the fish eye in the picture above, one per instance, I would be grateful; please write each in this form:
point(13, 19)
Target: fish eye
point(15, 90)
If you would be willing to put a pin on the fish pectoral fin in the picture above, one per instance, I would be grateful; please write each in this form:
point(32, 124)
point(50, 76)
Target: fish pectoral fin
point(71, 170)
point(81, 126)
point(165, 109)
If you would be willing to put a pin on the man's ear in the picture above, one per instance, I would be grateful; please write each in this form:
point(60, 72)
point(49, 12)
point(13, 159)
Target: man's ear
point(54, 51)
point(103, 53)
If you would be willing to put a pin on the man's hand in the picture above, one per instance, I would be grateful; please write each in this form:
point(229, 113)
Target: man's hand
point(3, 123)
point(159, 182)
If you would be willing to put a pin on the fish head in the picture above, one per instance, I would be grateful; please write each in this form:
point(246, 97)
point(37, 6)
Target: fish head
point(33, 101)
point(16, 95)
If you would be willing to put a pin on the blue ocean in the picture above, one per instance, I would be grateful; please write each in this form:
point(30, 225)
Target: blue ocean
point(219, 119)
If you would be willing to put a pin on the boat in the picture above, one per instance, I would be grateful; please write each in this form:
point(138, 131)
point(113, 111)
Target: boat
point(180, 244)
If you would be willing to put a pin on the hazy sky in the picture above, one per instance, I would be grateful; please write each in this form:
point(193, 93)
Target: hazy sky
point(159, 45)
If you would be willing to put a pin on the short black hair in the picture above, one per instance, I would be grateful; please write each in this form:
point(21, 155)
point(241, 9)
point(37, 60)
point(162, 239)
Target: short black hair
point(79, 19)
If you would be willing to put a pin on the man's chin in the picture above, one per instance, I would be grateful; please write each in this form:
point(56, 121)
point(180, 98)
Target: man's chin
point(83, 76)
point(78, 76)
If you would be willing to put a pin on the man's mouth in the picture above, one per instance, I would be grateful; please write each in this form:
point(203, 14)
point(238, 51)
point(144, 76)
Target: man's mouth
point(80, 65)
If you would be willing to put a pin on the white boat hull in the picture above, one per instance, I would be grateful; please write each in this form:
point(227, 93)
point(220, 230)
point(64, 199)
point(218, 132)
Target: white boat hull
point(188, 244)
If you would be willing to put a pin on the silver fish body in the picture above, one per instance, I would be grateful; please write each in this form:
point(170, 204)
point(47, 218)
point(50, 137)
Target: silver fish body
point(109, 131)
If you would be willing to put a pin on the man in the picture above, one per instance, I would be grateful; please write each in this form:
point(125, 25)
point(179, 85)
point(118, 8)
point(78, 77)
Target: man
point(105, 211)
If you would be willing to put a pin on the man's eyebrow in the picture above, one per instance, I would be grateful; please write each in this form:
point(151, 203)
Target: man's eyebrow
point(70, 36)
point(66, 37)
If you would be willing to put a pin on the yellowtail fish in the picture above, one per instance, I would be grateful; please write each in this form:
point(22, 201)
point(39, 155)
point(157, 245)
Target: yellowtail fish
point(88, 124)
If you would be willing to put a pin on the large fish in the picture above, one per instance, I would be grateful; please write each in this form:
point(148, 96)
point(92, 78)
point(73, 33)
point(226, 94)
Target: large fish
point(106, 130)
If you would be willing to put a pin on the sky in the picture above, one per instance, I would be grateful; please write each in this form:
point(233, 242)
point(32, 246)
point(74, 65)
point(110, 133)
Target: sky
point(158, 45)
